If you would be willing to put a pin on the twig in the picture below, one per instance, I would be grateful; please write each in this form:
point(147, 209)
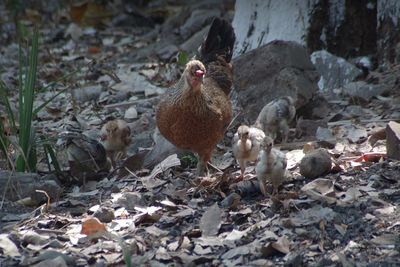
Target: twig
point(48, 198)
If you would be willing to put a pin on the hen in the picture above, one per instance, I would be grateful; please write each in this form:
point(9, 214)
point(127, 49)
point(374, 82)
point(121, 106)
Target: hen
point(275, 117)
point(195, 113)
point(271, 166)
point(246, 145)
point(115, 137)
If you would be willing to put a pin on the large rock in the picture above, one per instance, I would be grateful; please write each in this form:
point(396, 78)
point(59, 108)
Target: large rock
point(277, 69)
point(393, 140)
point(335, 71)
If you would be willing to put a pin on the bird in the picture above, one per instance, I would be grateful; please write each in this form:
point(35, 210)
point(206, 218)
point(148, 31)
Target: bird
point(194, 114)
point(115, 136)
point(246, 145)
point(86, 156)
point(275, 117)
point(271, 166)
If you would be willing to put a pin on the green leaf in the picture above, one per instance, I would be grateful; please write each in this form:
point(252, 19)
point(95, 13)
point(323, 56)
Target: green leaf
point(182, 58)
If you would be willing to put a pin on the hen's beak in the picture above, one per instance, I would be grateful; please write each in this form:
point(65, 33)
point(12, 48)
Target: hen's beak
point(199, 73)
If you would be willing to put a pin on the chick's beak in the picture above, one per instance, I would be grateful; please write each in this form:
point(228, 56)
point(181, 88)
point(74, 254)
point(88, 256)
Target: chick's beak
point(103, 137)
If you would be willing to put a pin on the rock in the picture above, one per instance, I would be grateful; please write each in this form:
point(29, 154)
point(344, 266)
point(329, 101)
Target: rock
point(104, 214)
point(315, 163)
point(316, 108)
point(197, 20)
point(192, 44)
point(167, 52)
point(354, 111)
point(356, 135)
point(364, 90)
point(335, 71)
point(131, 113)
point(277, 69)
point(309, 127)
point(324, 134)
point(51, 187)
point(393, 140)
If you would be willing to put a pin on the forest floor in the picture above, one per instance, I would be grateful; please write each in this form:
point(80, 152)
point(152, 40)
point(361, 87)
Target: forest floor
point(167, 217)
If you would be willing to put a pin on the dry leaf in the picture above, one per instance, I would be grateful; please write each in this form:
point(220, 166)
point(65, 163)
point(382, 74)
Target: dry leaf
point(92, 226)
point(7, 247)
point(210, 222)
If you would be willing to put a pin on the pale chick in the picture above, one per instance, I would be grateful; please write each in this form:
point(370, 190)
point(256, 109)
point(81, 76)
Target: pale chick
point(275, 117)
point(115, 136)
point(271, 166)
point(246, 145)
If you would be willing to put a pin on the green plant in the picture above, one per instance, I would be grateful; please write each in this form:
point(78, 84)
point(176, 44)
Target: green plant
point(27, 140)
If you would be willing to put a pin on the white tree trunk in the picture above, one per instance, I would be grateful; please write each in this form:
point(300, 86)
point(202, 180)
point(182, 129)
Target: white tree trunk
point(258, 22)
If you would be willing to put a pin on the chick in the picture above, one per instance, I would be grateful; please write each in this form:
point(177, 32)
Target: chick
point(271, 166)
point(275, 117)
point(115, 136)
point(86, 156)
point(246, 145)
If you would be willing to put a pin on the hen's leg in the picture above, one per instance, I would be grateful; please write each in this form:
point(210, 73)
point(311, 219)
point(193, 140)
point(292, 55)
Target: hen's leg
point(202, 169)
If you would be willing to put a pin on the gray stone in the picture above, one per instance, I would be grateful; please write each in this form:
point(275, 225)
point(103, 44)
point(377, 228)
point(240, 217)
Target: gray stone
point(316, 163)
point(277, 69)
point(393, 140)
point(364, 90)
point(131, 113)
point(196, 21)
point(323, 134)
point(335, 71)
point(167, 51)
point(192, 44)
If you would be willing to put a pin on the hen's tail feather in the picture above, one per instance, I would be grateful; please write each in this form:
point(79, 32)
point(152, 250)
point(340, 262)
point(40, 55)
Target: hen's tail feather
point(219, 42)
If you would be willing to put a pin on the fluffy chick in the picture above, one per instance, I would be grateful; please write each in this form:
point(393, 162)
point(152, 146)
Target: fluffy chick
point(275, 117)
point(246, 145)
point(86, 156)
point(115, 136)
point(271, 166)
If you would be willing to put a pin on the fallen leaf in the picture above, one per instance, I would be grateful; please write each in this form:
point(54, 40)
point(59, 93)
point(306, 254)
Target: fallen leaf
point(210, 222)
point(8, 247)
point(92, 227)
point(320, 189)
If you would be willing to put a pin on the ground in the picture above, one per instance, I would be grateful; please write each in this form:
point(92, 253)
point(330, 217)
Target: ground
point(166, 215)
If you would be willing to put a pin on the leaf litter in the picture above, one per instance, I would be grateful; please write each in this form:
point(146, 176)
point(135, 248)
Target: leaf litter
point(161, 215)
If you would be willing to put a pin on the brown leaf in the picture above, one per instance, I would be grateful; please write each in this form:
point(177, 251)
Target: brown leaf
point(92, 226)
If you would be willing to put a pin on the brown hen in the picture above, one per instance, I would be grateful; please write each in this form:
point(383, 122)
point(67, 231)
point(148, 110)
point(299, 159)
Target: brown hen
point(194, 113)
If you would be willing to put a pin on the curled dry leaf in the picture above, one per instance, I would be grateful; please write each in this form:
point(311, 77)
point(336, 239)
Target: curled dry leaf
point(282, 245)
point(320, 189)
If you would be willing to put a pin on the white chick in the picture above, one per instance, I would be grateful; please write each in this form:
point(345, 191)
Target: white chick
point(246, 145)
point(271, 166)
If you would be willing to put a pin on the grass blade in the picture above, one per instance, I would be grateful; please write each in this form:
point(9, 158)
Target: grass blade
point(26, 105)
